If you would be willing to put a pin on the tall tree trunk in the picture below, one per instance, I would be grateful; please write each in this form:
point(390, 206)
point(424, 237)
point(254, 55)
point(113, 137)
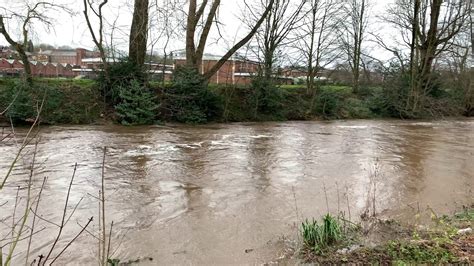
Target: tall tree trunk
point(470, 92)
point(26, 64)
point(139, 33)
point(358, 37)
point(427, 53)
point(190, 32)
point(413, 51)
point(310, 72)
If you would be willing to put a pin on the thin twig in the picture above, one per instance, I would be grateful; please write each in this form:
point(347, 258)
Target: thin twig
point(348, 205)
point(104, 233)
point(63, 216)
point(100, 234)
point(72, 240)
point(89, 232)
point(34, 219)
point(43, 219)
point(326, 195)
point(21, 239)
point(73, 211)
point(338, 200)
point(110, 237)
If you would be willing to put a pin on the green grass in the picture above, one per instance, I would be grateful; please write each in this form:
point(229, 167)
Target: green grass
point(292, 87)
point(404, 253)
point(318, 236)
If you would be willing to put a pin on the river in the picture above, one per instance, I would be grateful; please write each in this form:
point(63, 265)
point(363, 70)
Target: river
point(232, 193)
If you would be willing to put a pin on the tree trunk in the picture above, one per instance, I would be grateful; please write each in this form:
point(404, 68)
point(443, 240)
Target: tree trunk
point(470, 92)
point(190, 32)
point(310, 73)
point(26, 64)
point(139, 33)
point(427, 52)
point(358, 37)
point(20, 48)
point(413, 51)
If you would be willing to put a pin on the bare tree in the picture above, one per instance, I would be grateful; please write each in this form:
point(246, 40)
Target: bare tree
point(283, 18)
point(194, 53)
point(139, 33)
point(168, 22)
point(428, 28)
point(317, 39)
point(97, 38)
point(353, 33)
point(25, 18)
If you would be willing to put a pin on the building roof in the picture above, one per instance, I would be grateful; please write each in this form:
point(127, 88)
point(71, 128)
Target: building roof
point(58, 52)
point(181, 55)
point(97, 60)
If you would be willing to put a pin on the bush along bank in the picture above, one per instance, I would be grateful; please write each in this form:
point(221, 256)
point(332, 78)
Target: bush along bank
point(62, 101)
point(130, 101)
point(335, 241)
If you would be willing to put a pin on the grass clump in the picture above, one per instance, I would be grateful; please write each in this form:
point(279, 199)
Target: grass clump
point(319, 236)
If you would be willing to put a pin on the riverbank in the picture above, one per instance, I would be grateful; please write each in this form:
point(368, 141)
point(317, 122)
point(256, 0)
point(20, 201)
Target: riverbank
point(438, 240)
point(80, 102)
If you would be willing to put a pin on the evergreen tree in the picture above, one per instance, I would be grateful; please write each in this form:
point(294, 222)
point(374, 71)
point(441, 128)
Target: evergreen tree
point(137, 105)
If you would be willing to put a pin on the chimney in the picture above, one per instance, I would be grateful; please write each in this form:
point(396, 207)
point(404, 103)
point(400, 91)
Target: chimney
point(80, 54)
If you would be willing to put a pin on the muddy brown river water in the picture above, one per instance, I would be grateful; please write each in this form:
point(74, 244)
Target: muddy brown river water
point(229, 193)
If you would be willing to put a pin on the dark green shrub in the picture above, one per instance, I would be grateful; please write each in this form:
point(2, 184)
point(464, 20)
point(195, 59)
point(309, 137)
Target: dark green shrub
point(64, 102)
point(137, 105)
point(266, 99)
point(189, 100)
point(22, 101)
point(296, 104)
point(357, 108)
point(121, 74)
point(331, 100)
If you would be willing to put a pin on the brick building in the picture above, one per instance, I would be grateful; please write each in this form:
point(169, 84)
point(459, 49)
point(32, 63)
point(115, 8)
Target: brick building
point(236, 71)
point(72, 57)
point(49, 63)
point(14, 67)
point(81, 62)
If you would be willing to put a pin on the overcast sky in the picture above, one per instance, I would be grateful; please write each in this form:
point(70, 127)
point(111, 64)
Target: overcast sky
point(71, 30)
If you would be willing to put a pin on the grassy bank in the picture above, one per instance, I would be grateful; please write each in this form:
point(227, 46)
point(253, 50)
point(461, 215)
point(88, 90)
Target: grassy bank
point(79, 102)
point(448, 239)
